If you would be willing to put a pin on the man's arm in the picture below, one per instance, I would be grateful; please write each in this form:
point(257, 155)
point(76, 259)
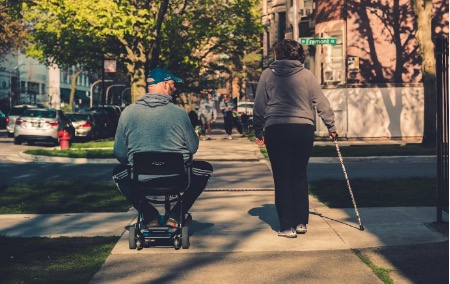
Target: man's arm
point(222, 106)
point(120, 143)
point(259, 108)
point(191, 137)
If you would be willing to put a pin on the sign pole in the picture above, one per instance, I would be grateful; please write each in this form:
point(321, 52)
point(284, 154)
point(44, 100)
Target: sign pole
point(295, 25)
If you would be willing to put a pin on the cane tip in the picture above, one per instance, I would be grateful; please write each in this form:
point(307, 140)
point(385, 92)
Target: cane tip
point(361, 227)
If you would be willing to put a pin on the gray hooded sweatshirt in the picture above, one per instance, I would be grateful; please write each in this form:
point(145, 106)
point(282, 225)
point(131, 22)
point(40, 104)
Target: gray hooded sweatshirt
point(154, 123)
point(287, 93)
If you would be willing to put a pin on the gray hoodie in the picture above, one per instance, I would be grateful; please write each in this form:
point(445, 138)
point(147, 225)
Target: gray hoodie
point(154, 123)
point(287, 93)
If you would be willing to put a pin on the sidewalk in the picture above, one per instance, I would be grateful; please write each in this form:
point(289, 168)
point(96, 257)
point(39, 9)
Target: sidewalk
point(234, 236)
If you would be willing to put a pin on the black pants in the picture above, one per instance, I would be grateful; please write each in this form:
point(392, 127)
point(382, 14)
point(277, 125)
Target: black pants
point(228, 122)
point(201, 172)
point(289, 148)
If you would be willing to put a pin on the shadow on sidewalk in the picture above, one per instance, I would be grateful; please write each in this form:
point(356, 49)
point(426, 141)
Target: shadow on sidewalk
point(266, 214)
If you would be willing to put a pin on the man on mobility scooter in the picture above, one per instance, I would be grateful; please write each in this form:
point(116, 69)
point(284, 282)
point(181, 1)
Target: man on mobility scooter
point(155, 124)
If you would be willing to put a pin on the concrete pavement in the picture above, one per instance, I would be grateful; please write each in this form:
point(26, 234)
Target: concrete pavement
point(233, 235)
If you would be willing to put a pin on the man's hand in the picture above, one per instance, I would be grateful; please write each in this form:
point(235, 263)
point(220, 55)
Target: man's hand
point(260, 142)
point(333, 135)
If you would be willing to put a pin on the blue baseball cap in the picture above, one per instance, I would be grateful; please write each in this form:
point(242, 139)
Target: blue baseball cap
point(159, 75)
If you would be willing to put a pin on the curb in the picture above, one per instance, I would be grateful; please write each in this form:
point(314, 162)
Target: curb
point(47, 159)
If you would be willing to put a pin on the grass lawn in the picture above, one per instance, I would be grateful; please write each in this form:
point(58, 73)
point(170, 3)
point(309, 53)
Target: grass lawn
point(74, 153)
point(411, 149)
point(61, 197)
point(78, 197)
point(52, 260)
point(94, 144)
point(376, 193)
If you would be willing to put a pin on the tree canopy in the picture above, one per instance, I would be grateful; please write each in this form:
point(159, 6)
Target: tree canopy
point(184, 36)
point(12, 30)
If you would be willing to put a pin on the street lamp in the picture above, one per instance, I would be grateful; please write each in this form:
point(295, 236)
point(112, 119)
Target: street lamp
point(92, 88)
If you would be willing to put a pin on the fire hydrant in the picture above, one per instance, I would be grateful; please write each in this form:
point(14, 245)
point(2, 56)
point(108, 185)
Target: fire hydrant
point(64, 139)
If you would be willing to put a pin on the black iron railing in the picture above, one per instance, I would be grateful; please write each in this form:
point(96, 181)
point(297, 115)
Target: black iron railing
point(442, 126)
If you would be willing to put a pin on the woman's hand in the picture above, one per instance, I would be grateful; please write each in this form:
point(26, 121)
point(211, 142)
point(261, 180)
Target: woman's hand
point(333, 135)
point(260, 142)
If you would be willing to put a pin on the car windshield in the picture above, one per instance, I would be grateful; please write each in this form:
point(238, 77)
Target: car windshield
point(39, 113)
point(77, 116)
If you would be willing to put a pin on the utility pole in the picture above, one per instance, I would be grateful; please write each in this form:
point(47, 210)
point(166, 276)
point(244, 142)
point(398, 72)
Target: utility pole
point(295, 20)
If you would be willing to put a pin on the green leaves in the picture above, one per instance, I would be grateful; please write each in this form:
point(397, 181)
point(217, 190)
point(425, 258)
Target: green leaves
point(194, 38)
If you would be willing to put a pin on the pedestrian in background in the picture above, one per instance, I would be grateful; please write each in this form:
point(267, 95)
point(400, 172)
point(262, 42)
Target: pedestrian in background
point(207, 114)
point(227, 107)
point(283, 117)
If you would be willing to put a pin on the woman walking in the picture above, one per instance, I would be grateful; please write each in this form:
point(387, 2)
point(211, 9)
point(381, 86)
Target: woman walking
point(207, 114)
point(283, 117)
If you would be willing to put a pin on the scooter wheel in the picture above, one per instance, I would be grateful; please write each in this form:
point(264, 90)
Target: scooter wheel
point(176, 243)
point(132, 237)
point(185, 237)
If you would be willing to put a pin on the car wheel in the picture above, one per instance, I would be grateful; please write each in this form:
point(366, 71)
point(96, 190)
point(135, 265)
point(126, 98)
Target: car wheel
point(17, 141)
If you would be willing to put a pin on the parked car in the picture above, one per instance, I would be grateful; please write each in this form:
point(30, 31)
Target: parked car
point(2, 120)
point(116, 108)
point(245, 108)
point(86, 125)
point(13, 114)
point(41, 124)
point(110, 115)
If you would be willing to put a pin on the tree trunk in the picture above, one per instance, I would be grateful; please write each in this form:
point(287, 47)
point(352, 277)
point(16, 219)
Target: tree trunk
point(138, 84)
point(136, 61)
point(73, 89)
point(424, 11)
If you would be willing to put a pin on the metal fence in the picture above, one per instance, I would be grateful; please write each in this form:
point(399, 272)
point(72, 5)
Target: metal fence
point(442, 126)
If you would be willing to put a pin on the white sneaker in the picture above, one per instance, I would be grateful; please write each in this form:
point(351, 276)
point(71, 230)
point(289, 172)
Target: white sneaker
point(301, 229)
point(289, 233)
point(229, 137)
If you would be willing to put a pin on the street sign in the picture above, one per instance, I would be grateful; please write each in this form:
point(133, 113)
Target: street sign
point(109, 66)
point(318, 40)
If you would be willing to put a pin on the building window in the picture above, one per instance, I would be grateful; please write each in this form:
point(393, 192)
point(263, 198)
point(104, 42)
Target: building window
point(33, 88)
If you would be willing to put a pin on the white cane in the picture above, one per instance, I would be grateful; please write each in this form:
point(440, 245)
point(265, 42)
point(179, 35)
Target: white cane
point(361, 227)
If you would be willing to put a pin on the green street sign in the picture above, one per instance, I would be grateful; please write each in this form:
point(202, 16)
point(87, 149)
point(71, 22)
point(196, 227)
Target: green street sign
point(318, 40)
